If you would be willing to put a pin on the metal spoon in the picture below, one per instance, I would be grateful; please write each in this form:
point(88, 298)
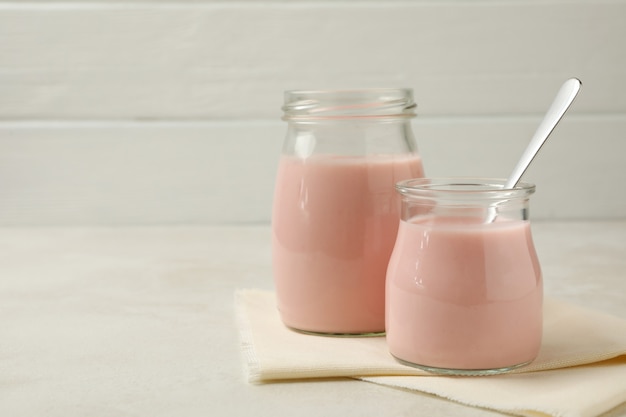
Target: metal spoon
point(561, 103)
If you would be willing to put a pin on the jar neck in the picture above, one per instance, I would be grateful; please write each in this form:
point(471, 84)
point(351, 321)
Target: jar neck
point(470, 214)
point(350, 137)
point(474, 199)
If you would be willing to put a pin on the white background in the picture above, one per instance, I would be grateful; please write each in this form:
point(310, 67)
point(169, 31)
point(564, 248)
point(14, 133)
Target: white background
point(168, 112)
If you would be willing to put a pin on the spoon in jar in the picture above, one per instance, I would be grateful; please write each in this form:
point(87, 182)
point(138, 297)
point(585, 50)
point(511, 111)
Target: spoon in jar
point(561, 103)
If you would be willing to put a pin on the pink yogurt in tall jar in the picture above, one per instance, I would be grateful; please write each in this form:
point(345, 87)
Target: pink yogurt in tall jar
point(334, 224)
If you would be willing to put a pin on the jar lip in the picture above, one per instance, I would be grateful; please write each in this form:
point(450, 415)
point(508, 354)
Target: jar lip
point(374, 103)
point(463, 188)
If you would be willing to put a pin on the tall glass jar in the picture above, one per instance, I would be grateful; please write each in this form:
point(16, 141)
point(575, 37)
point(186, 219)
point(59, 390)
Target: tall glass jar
point(464, 286)
point(335, 213)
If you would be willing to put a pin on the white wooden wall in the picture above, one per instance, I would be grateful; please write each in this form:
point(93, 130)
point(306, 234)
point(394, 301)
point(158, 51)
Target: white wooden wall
point(119, 112)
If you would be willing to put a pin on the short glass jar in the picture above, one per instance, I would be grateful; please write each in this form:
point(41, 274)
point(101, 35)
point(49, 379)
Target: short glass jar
point(335, 213)
point(464, 287)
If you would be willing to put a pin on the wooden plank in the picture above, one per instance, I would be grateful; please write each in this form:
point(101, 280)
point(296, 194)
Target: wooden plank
point(579, 172)
point(137, 173)
point(232, 60)
point(56, 173)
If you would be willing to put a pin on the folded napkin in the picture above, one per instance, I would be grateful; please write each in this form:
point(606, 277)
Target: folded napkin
point(580, 371)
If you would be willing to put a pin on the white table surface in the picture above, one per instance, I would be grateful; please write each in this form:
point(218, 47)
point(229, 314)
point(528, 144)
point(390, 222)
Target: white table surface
point(139, 322)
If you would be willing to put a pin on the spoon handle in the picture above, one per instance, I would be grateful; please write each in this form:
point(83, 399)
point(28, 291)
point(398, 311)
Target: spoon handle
point(559, 106)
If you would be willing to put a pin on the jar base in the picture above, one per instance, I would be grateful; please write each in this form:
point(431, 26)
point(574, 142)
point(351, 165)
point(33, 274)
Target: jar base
point(330, 334)
point(462, 372)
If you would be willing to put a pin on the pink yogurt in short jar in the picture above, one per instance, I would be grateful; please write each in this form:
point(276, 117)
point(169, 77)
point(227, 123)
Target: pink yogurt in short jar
point(463, 295)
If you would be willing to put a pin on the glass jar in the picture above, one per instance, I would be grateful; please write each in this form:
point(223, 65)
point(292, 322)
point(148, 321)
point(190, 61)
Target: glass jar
point(464, 287)
point(335, 213)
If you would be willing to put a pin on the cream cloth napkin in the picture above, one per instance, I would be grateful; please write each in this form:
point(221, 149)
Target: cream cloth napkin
point(580, 371)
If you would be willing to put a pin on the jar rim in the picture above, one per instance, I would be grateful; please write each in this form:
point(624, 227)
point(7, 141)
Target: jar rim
point(374, 103)
point(461, 188)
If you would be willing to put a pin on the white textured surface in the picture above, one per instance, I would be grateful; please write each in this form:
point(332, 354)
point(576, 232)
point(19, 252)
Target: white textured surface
point(140, 321)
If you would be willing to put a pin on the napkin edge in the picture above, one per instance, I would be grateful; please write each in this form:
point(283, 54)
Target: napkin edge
point(252, 366)
point(517, 411)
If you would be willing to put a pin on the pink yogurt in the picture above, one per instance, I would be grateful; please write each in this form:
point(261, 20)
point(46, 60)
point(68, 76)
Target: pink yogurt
point(464, 295)
point(334, 224)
